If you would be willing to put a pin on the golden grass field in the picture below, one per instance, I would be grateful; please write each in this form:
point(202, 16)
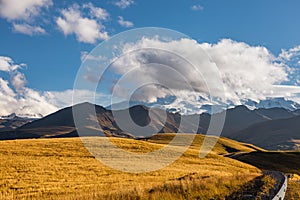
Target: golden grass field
point(293, 191)
point(64, 169)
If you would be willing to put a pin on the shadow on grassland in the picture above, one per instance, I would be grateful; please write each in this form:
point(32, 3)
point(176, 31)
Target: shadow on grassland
point(283, 161)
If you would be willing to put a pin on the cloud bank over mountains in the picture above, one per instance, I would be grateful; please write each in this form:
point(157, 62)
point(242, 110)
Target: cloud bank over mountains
point(247, 72)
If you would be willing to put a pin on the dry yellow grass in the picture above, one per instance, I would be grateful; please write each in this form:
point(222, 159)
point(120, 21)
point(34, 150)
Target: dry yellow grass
point(64, 169)
point(293, 190)
point(222, 145)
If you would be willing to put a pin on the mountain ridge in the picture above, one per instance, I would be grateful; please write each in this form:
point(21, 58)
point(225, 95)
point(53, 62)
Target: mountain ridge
point(61, 123)
point(205, 105)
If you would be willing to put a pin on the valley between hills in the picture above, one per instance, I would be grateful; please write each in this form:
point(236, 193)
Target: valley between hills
point(45, 158)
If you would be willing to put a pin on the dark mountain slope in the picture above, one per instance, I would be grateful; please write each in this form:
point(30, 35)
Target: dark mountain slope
point(61, 123)
point(276, 113)
point(241, 117)
point(275, 134)
point(13, 123)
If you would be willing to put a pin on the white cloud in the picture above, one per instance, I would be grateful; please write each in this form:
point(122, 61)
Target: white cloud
point(291, 57)
point(124, 3)
point(7, 64)
point(290, 92)
point(246, 71)
point(96, 12)
point(15, 97)
point(18, 98)
point(5, 89)
point(18, 80)
point(27, 102)
point(28, 29)
point(86, 29)
point(290, 53)
point(22, 9)
point(197, 7)
point(124, 23)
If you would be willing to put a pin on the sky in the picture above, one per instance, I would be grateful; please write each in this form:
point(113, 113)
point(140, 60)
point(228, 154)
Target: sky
point(43, 42)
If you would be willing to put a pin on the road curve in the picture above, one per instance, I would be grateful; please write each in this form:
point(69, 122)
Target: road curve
point(283, 182)
point(280, 187)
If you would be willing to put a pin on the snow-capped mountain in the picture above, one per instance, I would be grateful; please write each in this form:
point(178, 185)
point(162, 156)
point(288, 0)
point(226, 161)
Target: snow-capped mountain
point(30, 116)
point(207, 106)
point(13, 121)
point(9, 117)
point(273, 103)
point(18, 116)
point(217, 106)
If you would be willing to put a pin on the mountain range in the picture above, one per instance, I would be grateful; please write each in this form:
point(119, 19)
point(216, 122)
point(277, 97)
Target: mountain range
point(269, 128)
point(13, 121)
point(205, 105)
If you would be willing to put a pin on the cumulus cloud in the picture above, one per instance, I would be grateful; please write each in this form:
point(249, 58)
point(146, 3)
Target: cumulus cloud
point(28, 29)
point(24, 13)
point(30, 102)
point(124, 23)
point(96, 12)
point(18, 80)
point(22, 10)
point(7, 65)
point(291, 57)
point(4, 63)
point(124, 3)
point(15, 97)
point(197, 7)
point(246, 72)
point(87, 29)
point(290, 53)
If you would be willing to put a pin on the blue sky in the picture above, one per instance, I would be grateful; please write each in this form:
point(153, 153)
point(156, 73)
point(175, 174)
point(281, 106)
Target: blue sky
point(52, 57)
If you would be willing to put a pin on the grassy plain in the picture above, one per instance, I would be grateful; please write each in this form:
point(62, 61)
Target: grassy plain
point(64, 169)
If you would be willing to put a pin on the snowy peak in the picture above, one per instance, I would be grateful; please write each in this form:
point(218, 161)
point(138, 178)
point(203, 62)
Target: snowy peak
point(18, 116)
point(210, 106)
point(9, 117)
point(31, 116)
point(273, 103)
